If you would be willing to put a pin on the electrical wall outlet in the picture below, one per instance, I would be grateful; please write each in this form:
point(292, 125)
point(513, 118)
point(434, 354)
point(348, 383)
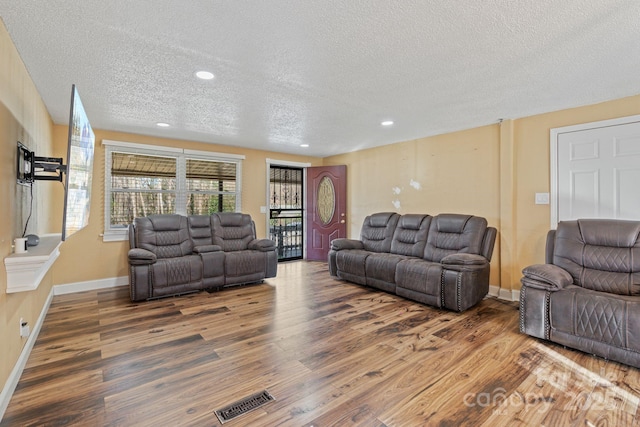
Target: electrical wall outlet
point(24, 328)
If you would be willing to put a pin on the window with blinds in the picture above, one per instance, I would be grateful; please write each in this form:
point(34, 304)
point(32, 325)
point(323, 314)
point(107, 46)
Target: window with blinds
point(143, 181)
point(211, 186)
point(141, 185)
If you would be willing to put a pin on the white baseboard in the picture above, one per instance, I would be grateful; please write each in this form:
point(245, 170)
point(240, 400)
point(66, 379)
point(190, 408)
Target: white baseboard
point(505, 294)
point(90, 285)
point(14, 377)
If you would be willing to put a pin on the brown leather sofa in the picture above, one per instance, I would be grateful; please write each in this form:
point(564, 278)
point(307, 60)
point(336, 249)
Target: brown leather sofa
point(441, 261)
point(175, 254)
point(587, 294)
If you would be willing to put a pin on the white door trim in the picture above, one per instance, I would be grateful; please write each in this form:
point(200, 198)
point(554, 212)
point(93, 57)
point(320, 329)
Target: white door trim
point(553, 149)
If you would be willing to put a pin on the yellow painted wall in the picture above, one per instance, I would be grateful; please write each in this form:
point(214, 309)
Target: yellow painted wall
point(102, 260)
point(456, 172)
point(532, 171)
point(23, 117)
point(492, 171)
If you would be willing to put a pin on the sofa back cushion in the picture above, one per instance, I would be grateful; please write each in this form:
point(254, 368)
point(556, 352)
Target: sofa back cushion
point(232, 231)
point(600, 254)
point(377, 231)
point(200, 229)
point(167, 236)
point(454, 233)
point(410, 236)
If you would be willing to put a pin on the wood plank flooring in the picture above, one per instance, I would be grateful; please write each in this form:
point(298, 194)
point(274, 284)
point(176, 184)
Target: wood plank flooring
point(330, 352)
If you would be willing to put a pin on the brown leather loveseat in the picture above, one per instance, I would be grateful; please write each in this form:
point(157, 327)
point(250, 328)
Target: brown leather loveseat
point(176, 254)
point(440, 260)
point(587, 294)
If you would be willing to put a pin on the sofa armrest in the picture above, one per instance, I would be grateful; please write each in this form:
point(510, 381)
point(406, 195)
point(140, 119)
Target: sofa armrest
point(206, 248)
point(139, 256)
point(262, 245)
point(464, 262)
point(547, 277)
point(342, 243)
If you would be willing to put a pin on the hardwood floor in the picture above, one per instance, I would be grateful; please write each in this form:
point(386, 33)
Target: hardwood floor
point(330, 352)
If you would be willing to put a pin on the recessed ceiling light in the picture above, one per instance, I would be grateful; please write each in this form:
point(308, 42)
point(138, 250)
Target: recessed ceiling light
point(304, 145)
point(204, 75)
point(387, 123)
point(162, 125)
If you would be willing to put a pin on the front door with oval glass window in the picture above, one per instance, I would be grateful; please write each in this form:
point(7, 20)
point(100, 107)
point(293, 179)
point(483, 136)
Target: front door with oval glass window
point(326, 209)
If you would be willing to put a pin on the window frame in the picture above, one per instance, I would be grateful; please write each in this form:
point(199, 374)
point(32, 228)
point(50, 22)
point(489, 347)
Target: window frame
point(113, 234)
point(235, 193)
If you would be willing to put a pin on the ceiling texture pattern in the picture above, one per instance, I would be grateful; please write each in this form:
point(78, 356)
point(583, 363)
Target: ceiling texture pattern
point(323, 72)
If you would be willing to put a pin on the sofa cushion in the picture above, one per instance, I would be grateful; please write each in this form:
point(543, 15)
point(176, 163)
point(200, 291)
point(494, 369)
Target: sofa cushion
point(604, 232)
point(602, 255)
point(177, 271)
point(377, 231)
point(410, 236)
point(232, 231)
point(167, 236)
point(595, 316)
point(351, 265)
point(200, 229)
point(381, 270)
point(454, 233)
point(243, 263)
point(420, 276)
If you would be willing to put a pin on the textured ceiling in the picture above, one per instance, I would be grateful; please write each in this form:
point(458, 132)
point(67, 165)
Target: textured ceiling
point(323, 72)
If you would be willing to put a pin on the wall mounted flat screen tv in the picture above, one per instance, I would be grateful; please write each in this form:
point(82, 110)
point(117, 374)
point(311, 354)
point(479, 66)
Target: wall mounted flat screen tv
point(81, 141)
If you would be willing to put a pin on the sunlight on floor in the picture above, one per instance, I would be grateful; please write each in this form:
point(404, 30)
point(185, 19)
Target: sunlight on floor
point(580, 385)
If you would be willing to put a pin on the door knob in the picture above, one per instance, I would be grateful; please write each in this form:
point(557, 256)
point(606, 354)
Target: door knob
point(342, 222)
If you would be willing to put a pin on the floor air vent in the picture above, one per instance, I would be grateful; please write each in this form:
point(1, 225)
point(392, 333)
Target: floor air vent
point(243, 406)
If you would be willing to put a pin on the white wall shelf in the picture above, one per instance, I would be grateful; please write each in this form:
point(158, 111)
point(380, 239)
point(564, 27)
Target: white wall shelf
point(25, 271)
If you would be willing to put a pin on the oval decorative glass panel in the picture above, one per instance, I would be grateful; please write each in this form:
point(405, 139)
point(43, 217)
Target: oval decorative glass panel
point(326, 203)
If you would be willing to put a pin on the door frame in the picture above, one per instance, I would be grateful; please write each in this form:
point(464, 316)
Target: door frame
point(265, 209)
point(553, 151)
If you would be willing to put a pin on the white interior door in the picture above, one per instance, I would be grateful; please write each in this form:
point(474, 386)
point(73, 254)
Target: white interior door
point(597, 171)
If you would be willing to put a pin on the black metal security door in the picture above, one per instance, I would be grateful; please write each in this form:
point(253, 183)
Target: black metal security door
point(285, 211)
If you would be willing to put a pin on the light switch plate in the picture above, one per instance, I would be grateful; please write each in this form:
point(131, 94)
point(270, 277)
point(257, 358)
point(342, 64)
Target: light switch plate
point(542, 198)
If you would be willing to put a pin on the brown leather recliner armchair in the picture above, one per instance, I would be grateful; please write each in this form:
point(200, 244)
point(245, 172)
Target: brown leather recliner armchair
point(587, 294)
point(174, 254)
